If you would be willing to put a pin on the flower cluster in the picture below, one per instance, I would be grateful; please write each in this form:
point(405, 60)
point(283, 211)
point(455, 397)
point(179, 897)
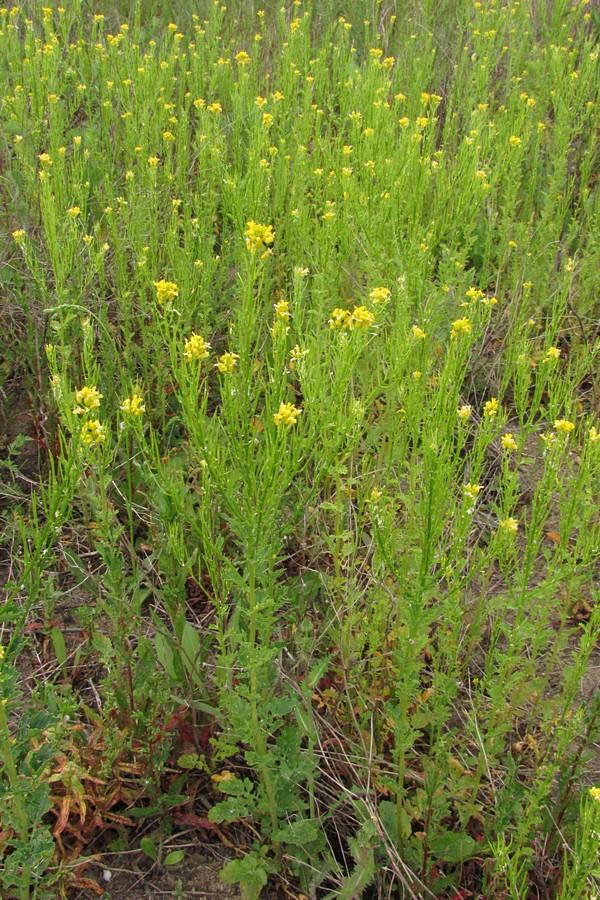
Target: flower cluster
point(196, 348)
point(490, 408)
point(258, 236)
point(472, 491)
point(166, 291)
point(133, 406)
point(460, 326)
point(552, 353)
point(287, 415)
point(563, 426)
point(87, 398)
point(380, 295)
point(296, 354)
point(282, 310)
point(508, 442)
point(92, 432)
point(226, 363)
point(359, 317)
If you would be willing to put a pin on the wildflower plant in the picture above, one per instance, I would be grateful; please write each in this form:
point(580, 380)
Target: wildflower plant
point(313, 408)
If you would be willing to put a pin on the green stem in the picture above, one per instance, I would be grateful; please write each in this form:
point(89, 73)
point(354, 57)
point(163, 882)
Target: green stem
point(130, 488)
point(261, 743)
point(13, 778)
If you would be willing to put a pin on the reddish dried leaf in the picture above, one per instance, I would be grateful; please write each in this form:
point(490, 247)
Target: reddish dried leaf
point(184, 818)
point(88, 884)
point(120, 820)
point(63, 818)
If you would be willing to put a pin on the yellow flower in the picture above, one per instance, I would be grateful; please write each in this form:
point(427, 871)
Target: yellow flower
point(595, 794)
point(196, 348)
point(153, 161)
point(242, 58)
point(92, 432)
point(472, 491)
point(460, 326)
point(380, 295)
point(287, 415)
point(45, 159)
point(87, 398)
point(258, 236)
point(514, 141)
point(464, 412)
point(133, 406)
point(166, 291)
point(360, 317)
point(509, 524)
point(74, 212)
point(418, 333)
point(339, 318)
point(18, 235)
point(282, 310)
point(227, 362)
point(296, 355)
point(563, 426)
point(594, 434)
point(215, 107)
point(508, 442)
point(490, 409)
point(551, 353)
point(548, 439)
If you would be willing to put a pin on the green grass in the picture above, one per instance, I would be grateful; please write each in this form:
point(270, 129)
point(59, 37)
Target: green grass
point(304, 307)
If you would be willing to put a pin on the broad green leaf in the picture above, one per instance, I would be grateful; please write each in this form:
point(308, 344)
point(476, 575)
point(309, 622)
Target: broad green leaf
point(148, 847)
